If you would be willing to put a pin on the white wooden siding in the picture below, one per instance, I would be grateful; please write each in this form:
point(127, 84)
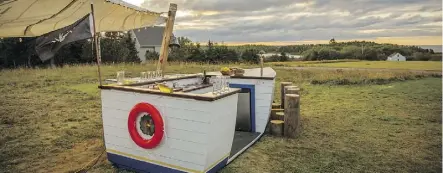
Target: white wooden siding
point(190, 127)
point(221, 134)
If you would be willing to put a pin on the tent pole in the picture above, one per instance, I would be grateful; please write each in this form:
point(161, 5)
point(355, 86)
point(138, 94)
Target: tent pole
point(164, 50)
point(96, 38)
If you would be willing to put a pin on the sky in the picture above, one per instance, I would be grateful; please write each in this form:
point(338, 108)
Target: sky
point(281, 22)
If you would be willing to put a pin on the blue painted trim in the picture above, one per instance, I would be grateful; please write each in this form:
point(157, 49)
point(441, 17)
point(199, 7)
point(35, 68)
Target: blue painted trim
point(252, 99)
point(138, 166)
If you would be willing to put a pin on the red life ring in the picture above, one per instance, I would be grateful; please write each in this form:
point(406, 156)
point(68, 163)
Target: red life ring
point(149, 115)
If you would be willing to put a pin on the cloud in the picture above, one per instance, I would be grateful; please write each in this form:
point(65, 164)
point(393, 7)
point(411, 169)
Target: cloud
point(301, 20)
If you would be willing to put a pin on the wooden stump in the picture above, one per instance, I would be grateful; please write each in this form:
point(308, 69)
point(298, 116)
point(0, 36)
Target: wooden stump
point(275, 106)
point(292, 115)
point(279, 116)
point(292, 90)
point(277, 127)
point(282, 92)
point(273, 111)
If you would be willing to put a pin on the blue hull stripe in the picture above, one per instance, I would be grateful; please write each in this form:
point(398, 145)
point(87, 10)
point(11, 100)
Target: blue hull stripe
point(145, 167)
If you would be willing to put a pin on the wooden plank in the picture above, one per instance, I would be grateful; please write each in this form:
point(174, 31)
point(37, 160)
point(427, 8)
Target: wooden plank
point(161, 150)
point(198, 138)
point(152, 158)
point(176, 94)
point(126, 100)
point(164, 50)
point(221, 133)
point(179, 124)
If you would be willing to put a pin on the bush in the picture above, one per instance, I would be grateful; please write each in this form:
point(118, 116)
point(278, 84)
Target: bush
point(250, 55)
point(151, 55)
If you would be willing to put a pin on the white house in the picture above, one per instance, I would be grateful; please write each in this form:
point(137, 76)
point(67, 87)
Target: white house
point(396, 57)
point(147, 39)
point(290, 56)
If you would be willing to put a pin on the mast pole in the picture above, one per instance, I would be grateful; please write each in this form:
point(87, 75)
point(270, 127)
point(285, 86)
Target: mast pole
point(163, 58)
point(96, 39)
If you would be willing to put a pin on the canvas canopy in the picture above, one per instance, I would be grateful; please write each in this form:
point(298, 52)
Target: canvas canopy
point(30, 18)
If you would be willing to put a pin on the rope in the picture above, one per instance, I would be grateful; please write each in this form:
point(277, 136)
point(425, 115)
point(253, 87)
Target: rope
point(88, 166)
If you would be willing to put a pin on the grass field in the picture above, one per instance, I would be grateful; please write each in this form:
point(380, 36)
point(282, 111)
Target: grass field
point(406, 65)
point(353, 121)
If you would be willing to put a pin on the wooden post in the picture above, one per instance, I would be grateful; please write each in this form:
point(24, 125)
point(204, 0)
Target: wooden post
point(280, 116)
point(261, 66)
point(277, 127)
point(282, 93)
point(275, 106)
point(164, 50)
point(273, 113)
point(292, 90)
point(292, 115)
point(97, 46)
point(290, 87)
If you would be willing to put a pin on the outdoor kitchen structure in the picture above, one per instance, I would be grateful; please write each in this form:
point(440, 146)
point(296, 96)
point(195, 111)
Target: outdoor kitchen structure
point(193, 128)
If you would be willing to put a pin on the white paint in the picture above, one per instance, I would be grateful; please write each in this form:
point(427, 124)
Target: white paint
point(197, 133)
point(222, 131)
point(396, 57)
point(142, 50)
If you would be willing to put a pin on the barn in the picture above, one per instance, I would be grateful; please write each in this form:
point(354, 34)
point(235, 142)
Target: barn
point(396, 57)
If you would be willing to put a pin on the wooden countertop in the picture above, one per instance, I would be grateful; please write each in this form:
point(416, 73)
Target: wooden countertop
point(268, 74)
point(254, 73)
point(203, 97)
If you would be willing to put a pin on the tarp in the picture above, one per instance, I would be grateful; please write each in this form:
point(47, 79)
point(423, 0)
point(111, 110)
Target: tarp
point(30, 18)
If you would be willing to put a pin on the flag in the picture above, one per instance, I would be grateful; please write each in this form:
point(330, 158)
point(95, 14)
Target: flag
point(48, 44)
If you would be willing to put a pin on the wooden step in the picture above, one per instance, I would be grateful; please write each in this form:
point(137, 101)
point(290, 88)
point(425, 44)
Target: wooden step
point(277, 127)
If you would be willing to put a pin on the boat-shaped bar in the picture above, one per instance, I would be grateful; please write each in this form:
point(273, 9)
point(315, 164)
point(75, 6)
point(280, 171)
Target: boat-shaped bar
point(191, 129)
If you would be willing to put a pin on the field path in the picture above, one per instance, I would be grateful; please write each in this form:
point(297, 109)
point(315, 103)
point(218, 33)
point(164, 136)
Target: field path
point(353, 68)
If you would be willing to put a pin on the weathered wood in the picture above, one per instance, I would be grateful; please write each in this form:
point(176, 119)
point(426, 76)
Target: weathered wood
point(275, 106)
point(201, 97)
point(279, 116)
point(164, 50)
point(273, 111)
point(292, 90)
point(292, 115)
point(277, 127)
point(282, 92)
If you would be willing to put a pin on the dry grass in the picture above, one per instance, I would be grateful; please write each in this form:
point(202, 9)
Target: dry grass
point(407, 65)
point(50, 122)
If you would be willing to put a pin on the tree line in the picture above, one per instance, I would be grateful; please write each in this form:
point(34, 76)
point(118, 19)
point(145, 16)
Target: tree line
point(119, 47)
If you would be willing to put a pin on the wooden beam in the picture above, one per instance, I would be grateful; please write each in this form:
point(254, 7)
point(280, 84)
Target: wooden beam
point(96, 39)
point(164, 51)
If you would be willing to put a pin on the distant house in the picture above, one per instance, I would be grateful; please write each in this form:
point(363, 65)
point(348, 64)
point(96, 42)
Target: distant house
point(396, 57)
point(290, 56)
point(149, 39)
